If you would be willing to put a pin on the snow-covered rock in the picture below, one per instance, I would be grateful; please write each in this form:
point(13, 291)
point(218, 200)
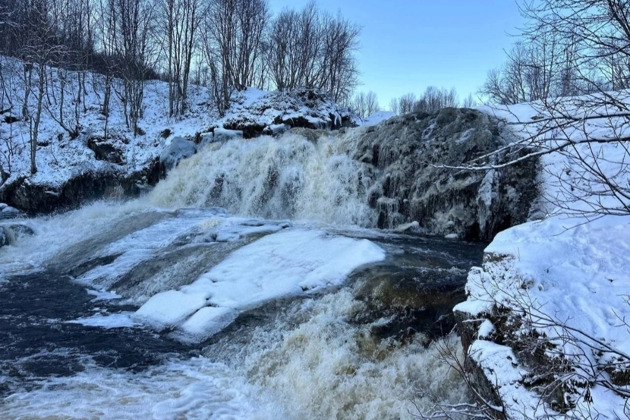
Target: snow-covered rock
point(178, 149)
point(288, 263)
point(545, 324)
point(8, 212)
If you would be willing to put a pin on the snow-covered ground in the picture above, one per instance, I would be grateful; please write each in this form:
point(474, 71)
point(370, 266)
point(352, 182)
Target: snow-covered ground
point(563, 279)
point(59, 158)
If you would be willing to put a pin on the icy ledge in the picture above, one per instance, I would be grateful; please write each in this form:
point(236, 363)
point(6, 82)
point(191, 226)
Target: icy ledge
point(288, 263)
point(546, 321)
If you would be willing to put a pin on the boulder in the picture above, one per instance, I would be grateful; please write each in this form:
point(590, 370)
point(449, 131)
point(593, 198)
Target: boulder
point(8, 212)
point(179, 148)
point(412, 154)
point(106, 149)
point(9, 233)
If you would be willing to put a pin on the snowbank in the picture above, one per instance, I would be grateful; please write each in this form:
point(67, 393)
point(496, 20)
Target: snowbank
point(551, 300)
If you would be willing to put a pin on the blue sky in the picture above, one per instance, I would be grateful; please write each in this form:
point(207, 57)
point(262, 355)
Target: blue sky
point(407, 45)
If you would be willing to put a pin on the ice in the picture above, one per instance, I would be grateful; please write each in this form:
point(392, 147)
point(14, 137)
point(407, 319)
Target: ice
point(206, 322)
point(119, 320)
point(376, 118)
point(288, 263)
point(170, 308)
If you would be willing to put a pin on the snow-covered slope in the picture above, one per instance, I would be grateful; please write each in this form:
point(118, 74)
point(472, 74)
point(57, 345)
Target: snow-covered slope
point(59, 157)
point(551, 300)
point(105, 147)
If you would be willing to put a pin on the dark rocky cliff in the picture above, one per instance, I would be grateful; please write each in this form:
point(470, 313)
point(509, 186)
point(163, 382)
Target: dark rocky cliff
point(409, 153)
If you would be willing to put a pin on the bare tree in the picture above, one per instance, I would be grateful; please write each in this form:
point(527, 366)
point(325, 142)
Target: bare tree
point(434, 99)
point(133, 25)
point(406, 103)
point(294, 48)
point(181, 21)
point(233, 35)
point(594, 181)
point(365, 104)
point(39, 50)
point(313, 50)
point(469, 101)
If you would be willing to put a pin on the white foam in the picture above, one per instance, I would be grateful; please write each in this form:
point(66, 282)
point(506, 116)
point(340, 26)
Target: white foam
point(119, 320)
point(290, 177)
point(193, 389)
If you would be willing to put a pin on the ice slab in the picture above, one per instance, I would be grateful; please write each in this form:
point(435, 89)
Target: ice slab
point(288, 263)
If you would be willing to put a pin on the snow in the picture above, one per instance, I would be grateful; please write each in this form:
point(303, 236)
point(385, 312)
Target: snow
point(170, 308)
point(178, 149)
point(376, 118)
point(288, 263)
point(570, 271)
point(59, 157)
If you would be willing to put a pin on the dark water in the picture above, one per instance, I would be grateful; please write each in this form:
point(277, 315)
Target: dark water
point(37, 341)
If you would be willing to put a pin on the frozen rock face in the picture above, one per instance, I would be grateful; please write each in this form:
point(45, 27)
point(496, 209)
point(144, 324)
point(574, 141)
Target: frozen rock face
point(33, 198)
point(408, 152)
point(178, 149)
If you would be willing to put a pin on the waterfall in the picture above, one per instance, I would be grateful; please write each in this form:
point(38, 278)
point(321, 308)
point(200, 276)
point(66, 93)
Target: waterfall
point(277, 178)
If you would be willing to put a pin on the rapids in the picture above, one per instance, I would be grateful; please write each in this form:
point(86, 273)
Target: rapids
point(326, 317)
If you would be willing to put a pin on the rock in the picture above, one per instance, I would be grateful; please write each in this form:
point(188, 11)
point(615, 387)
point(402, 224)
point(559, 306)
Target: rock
point(35, 199)
point(410, 153)
point(4, 238)
point(223, 134)
point(409, 301)
point(9, 233)
point(276, 129)
point(178, 149)
point(276, 112)
point(8, 212)
point(106, 150)
point(10, 119)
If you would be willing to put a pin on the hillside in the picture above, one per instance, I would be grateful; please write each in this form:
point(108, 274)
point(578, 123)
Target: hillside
point(106, 158)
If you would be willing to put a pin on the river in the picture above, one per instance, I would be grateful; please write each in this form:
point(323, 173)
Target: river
point(166, 307)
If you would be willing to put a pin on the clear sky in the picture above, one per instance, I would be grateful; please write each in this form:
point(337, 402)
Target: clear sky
point(407, 45)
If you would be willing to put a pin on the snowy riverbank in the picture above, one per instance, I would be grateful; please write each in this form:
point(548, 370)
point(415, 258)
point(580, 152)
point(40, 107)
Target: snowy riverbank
point(551, 299)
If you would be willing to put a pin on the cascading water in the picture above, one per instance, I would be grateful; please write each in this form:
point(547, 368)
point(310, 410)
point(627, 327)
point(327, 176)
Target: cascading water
point(284, 305)
point(290, 177)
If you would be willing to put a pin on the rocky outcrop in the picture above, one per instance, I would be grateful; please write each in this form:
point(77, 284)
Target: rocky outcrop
point(275, 112)
point(178, 149)
point(413, 153)
point(106, 149)
point(35, 198)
